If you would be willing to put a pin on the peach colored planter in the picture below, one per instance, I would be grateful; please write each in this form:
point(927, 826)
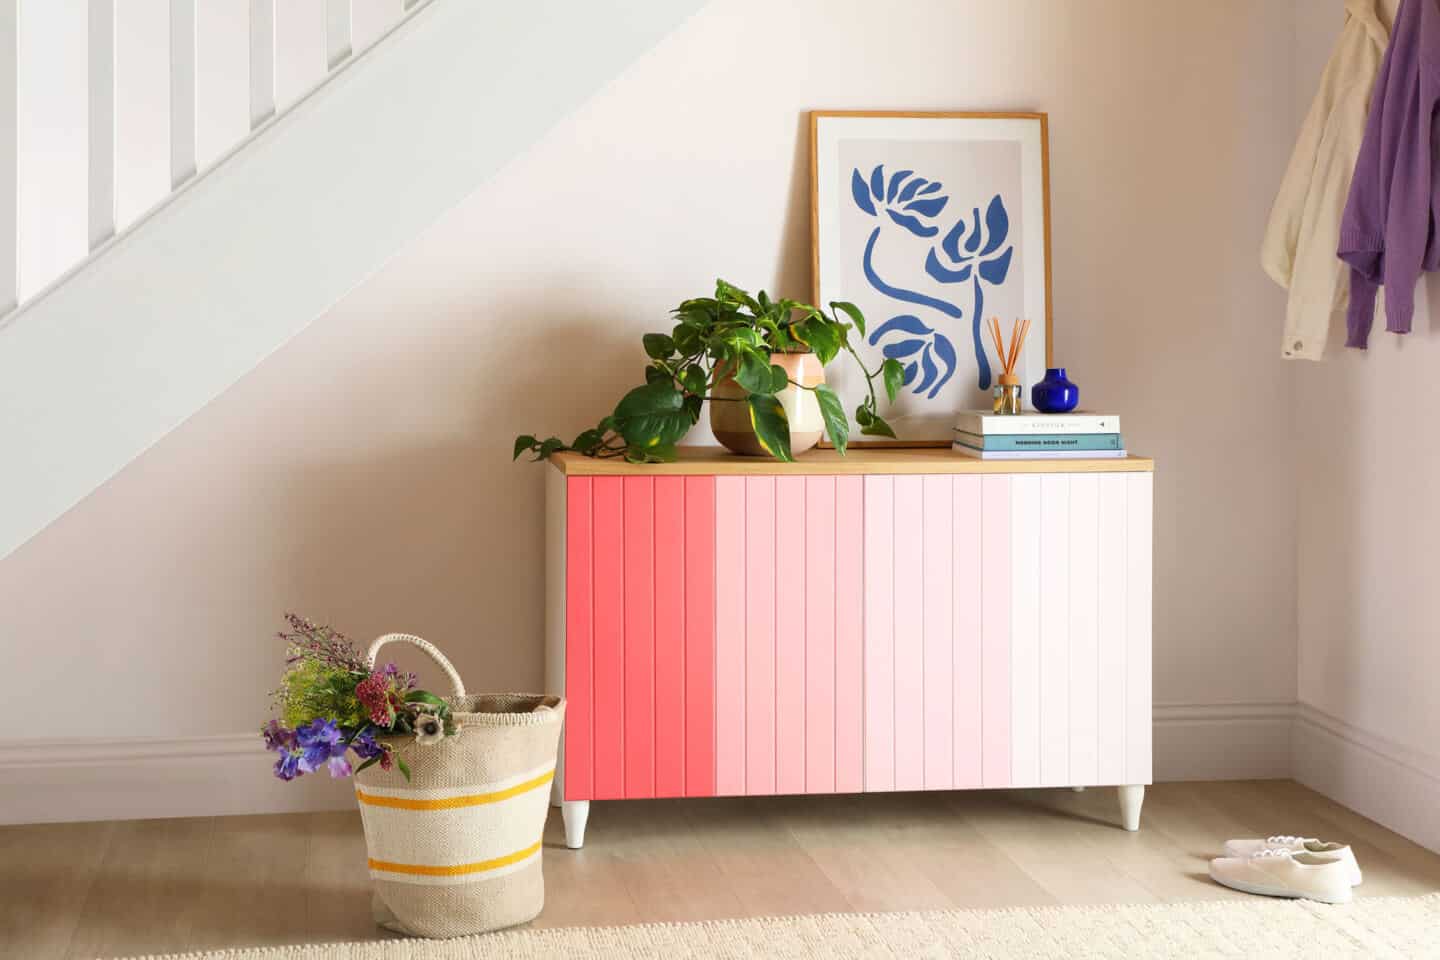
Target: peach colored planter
point(730, 414)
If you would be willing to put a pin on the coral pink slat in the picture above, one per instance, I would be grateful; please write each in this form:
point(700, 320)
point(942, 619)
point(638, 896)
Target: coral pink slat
point(579, 748)
point(670, 601)
point(759, 635)
point(699, 560)
point(639, 731)
point(608, 528)
point(730, 609)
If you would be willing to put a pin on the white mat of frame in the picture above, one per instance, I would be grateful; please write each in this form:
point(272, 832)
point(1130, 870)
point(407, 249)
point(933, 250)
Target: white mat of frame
point(1379, 927)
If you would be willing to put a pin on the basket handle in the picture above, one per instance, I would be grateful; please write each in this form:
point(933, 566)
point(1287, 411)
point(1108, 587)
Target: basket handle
point(456, 684)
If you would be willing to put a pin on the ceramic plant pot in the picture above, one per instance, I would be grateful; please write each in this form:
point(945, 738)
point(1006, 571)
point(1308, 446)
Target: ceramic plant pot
point(730, 414)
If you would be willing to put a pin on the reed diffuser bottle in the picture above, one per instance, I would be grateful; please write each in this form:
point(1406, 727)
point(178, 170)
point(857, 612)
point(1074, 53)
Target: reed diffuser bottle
point(1009, 390)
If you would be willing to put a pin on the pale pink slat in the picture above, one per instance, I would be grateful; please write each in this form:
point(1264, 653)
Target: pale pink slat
point(1111, 638)
point(609, 579)
point(760, 635)
point(730, 606)
point(849, 634)
point(909, 633)
point(639, 637)
point(790, 664)
point(699, 636)
point(579, 643)
point(820, 665)
point(1026, 604)
point(937, 532)
point(1138, 698)
point(968, 560)
point(1054, 640)
point(995, 630)
point(879, 633)
point(669, 636)
point(1084, 657)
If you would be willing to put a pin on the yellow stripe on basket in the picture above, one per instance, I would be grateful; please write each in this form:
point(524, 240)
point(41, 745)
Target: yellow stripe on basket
point(453, 803)
point(459, 869)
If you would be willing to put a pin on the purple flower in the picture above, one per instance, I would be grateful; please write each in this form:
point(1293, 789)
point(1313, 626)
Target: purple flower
point(339, 766)
point(365, 746)
point(287, 767)
point(320, 740)
point(277, 737)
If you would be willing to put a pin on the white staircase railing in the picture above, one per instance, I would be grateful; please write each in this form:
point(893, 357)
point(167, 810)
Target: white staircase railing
point(310, 40)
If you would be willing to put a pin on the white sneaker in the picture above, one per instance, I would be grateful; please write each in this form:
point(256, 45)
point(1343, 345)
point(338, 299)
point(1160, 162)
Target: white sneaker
point(1281, 873)
point(1320, 848)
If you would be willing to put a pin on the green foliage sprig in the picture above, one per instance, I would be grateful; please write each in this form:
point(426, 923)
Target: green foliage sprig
point(731, 334)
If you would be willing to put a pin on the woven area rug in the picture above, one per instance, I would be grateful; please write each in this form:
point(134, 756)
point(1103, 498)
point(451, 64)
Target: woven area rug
point(1381, 927)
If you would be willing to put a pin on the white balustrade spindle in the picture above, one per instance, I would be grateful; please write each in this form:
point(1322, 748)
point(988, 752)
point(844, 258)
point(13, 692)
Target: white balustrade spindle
point(102, 121)
point(182, 91)
point(337, 32)
point(262, 61)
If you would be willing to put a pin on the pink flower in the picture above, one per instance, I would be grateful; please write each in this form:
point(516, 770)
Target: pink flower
point(374, 694)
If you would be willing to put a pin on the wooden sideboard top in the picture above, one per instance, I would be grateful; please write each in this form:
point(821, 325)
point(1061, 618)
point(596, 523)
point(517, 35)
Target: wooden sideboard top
point(704, 461)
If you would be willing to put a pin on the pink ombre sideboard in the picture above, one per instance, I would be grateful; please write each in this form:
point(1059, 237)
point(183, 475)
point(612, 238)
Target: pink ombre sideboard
point(890, 620)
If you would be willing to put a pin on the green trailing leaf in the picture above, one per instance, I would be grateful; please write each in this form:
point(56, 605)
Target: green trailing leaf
point(863, 416)
point(772, 427)
point(692, 406)
point(820, 335)
point(425, 697)
point(837, 427)
point(404, 768)
point(894, 376)
point(368, 763)
point(652, 416)
point(693, 379)
point(877, 427)
point(851, 311)
point(658, 346)
point(522, 444)
point(654, 374)
point(754, 374)
point(588, 442)
point(553, 445)
point(779, 379)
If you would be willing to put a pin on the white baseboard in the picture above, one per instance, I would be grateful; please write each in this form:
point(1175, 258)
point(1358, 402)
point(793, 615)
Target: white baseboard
point(134, 779)
point(122, 779)
point(1223, 741)
point(1371, 775)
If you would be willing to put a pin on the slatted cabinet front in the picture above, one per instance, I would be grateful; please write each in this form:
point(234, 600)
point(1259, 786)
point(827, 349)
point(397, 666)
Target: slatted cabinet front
point(786, 634)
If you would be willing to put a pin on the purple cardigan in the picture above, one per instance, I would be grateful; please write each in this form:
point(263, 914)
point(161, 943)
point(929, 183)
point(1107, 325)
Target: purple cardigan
point(1387, 234)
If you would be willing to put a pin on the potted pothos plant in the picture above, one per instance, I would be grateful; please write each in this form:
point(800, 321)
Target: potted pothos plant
point(722, 349)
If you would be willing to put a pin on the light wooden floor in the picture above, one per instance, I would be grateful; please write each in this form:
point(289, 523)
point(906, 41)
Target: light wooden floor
point(111, 889)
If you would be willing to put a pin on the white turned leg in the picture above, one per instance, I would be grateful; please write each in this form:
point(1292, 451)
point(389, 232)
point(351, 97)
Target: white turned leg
point(576, 812)
point(1131, 798)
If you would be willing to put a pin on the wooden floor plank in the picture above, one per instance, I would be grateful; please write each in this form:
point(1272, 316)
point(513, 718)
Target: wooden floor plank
point(112, 889)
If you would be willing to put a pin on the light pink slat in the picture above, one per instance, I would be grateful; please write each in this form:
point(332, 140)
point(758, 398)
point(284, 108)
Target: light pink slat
point(669, 636)
point(995, 630)
point(1111, 633)
point(1054, 640)
point(967, 605)
point(789, 536)
point(820, 664)
point(849, 634)
point(1084, 658)
point(759, 635)
point(879, 633)
point(937, 532)
point(1025, 611)
point(1138, 719)
point(909, 633)
point(730, 606)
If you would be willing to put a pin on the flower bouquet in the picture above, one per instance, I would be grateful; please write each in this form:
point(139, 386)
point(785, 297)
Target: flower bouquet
point(332, 703)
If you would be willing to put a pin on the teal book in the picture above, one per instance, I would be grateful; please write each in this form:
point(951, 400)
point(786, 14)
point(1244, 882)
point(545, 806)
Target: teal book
point(1040, 441)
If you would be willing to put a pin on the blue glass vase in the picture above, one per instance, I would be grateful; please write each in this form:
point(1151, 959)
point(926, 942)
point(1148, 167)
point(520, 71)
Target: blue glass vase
point(1055, 394)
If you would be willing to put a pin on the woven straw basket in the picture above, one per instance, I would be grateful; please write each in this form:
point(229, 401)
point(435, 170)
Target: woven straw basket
point(456, 849)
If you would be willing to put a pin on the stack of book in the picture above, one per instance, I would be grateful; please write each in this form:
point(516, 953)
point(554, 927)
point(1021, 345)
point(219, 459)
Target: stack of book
point(1038, 436)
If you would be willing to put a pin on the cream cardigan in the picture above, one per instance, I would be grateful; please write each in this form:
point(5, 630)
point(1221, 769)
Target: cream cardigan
point(1298, 251)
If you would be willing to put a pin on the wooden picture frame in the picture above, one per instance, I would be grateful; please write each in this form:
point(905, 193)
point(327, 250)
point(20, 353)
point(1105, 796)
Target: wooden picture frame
point(975, 228)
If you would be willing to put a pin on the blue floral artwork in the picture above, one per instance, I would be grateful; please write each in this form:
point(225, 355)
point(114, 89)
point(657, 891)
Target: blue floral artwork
point(971, 255)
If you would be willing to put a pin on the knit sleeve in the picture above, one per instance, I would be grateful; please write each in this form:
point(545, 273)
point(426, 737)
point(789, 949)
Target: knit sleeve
point(1408, 215)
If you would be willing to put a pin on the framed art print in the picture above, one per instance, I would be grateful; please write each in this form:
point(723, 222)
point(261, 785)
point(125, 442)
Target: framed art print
point(930, 223)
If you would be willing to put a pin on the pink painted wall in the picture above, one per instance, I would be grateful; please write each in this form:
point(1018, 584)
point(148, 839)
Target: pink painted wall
point(362, 473)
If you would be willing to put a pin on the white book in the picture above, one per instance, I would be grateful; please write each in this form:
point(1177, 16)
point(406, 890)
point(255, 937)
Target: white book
point(985, 422)
point(1039, 454)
